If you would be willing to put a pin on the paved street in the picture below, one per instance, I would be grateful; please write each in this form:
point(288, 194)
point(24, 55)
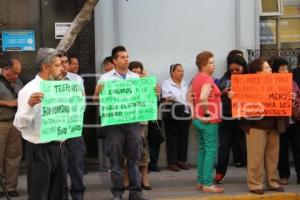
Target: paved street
point(166, 185)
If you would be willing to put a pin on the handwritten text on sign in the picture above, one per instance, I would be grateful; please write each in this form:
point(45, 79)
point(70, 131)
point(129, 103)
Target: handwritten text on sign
point(127, 101)
point(262, 95)
point(62, 110)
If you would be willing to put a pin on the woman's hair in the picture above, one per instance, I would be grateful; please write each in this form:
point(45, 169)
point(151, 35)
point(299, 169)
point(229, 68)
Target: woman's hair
point(277, 62)
point(174, 67)
point(135, 64)
point(239, 60)
point(257, 65)
point(233, 53)
point(202, 58)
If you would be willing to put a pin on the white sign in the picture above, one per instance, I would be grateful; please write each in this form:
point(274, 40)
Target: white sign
point(61, 29)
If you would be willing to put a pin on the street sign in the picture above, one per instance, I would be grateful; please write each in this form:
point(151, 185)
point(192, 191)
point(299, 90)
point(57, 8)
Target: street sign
point(18, 40)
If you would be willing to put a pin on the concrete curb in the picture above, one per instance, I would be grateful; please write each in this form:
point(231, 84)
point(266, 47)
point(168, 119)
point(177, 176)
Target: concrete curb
point(272, 196)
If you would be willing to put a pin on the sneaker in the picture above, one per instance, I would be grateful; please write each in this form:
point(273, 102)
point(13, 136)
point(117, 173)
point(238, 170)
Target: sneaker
point(212, 189)
point(284, 181)
point(219, 178)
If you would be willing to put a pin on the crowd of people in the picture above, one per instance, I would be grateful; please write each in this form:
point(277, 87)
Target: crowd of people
point(133, 149)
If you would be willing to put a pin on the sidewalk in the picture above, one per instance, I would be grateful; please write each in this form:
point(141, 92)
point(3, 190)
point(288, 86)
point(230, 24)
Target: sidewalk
point(167, 185)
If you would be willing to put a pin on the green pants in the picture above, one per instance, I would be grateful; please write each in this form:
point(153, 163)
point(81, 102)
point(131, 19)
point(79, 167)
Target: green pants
point(207, 151)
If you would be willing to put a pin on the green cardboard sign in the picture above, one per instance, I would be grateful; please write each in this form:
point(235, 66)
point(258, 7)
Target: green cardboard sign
point(128, 101)
point(62, 110)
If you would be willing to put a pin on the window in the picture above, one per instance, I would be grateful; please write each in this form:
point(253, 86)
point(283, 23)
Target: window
point(270, 7)
point(281, 33)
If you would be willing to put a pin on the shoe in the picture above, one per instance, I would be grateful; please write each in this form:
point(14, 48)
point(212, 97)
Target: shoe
point(136, 196)
point(219, 178)
point(199, 186)
point(146, 187)
point(174, 168)
point(212, 189)
point(239, 164)
point(1, 194)
point(258, 192)
point(278, 189)
point(117, 197)
point(284, 181)
point(13, 193)
point(183, 165)
point(153, 169)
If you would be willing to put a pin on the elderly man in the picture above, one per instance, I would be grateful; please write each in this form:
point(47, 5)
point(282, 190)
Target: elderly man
point(46, 161)
point(10, 138)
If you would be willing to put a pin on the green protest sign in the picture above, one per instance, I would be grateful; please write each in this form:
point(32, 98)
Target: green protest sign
point(62, 110)
point(127, 101)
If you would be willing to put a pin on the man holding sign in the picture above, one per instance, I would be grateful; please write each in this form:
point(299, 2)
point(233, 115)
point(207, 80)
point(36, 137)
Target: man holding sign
point(122, 139)
point(46, 161)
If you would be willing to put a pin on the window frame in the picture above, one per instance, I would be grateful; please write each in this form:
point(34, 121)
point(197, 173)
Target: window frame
point(277, 13)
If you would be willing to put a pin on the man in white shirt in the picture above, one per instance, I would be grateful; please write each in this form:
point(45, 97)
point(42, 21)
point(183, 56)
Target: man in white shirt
point(46, 161)
point(123, 139)
point(75, 146)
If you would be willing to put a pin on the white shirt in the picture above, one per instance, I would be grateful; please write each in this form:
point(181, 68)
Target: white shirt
point(114, 75)
point(28, 119)
point(75, 77)
point(176, 93)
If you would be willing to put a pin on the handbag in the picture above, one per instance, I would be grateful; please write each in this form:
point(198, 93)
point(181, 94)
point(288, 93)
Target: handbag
point(155, 134)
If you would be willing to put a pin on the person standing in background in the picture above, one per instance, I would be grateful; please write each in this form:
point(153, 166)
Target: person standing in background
point(10, 137)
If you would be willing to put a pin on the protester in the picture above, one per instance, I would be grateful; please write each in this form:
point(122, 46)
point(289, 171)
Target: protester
point(10, 138)
point(206, 114)
point(291, 137)
point(75, 146)
point(229, 129)
point(177, 119)
point(46, 161)
point(108, 64)
point(123, 139)
point(138, 68)
point(262, 137)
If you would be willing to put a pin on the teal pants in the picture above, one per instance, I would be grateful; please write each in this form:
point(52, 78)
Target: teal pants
point(207, 151)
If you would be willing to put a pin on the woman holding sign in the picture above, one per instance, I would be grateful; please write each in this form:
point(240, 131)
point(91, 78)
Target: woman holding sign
point(206, 114)
point(262, 144)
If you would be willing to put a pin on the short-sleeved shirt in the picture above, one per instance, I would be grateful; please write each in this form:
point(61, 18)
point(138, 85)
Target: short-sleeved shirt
point(173, 91)
point(8, 113)
point(214, 99)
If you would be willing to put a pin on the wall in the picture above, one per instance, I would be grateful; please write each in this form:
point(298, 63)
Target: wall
point(162, 32)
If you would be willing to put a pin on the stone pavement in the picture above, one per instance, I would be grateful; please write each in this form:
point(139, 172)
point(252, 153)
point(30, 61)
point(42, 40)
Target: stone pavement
point(166, 185)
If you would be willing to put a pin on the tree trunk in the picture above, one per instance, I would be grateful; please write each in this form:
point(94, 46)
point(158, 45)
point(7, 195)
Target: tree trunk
point(83, 17)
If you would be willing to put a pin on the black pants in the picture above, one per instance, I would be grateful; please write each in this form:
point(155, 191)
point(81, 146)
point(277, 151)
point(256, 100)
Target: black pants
point(229, 132)
point(124, 140)
point(177, 136)
point(291, 138)
point(46, 171)
point(76, 151)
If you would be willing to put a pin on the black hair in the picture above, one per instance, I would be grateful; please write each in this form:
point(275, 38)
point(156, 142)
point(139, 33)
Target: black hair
point(236, 59)
point(233, 53)
point(257, 65)
point(116, 50)
point(277, 62)
point(71, 56)
point(106, 60)
point(135, 64)
point(174, 67)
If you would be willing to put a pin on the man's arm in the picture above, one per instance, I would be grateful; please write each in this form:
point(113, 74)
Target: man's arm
point(11, 103)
